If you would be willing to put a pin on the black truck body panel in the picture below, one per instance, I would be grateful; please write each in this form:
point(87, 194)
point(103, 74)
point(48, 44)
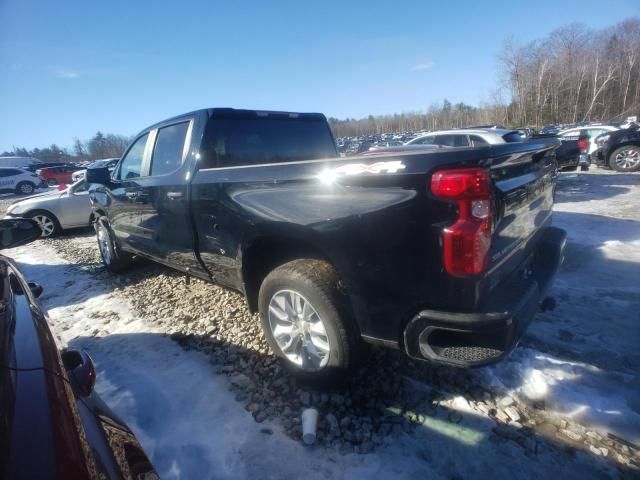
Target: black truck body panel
point(379, 225)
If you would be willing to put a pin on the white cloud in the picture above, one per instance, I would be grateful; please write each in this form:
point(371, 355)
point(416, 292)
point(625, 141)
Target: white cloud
point(65, 73)
point(423, 66)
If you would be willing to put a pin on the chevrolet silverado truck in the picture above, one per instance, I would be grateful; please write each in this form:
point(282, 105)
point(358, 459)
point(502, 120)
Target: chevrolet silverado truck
point(445, 254)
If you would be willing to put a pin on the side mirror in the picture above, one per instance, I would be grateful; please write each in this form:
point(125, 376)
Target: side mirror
point(100, 175)
point(19, 231)
point(81, 370)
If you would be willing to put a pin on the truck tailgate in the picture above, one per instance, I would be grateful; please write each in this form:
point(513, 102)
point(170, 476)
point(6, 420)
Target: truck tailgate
point(524, 182)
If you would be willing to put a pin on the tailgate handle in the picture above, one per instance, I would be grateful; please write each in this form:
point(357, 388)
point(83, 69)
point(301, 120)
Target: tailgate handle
point(174, 195)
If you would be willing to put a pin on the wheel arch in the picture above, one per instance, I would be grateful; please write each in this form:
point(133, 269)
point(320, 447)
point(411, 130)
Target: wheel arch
point(630, 143)
point(265, 253)
point(54, 217)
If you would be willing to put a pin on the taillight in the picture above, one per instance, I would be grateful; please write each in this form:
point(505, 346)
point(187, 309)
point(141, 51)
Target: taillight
point(466, 243)
point(583, 144)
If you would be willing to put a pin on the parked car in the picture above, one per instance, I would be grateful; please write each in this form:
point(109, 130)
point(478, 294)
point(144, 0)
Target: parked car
point(550, 129)
point(57, 175)
point(468, 137)
point(19, 181)
point(110, 163)
point(572, 152)
point(19, 162)
point(56, 210)
point(619, 149)
point(591, 131)
point(445, 254)
point(52, 422)
point(34, 167)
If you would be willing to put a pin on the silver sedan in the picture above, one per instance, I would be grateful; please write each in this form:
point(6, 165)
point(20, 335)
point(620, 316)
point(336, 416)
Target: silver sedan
point(56, 210)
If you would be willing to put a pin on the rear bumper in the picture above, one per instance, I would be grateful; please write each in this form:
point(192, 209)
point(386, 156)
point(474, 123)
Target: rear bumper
point(485, 337)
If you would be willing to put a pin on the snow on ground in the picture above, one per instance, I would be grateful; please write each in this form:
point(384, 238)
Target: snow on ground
point(580, 362)
point(583, 359)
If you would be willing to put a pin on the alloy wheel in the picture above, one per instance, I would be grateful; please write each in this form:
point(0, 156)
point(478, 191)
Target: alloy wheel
point(628, 159)
point(47, 225)
point(26, 188)
point(104, 243)
point(298, 330)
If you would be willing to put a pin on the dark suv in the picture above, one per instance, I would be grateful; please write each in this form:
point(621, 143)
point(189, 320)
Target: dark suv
point(620, 149)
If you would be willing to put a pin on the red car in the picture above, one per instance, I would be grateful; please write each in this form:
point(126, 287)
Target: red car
point(57, 175)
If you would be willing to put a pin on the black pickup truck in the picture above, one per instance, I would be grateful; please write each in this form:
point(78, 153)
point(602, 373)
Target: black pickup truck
point(445, 254)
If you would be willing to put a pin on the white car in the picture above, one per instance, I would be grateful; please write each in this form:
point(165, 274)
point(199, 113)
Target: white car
point(468, 137)
point(22, 182)
point(592, 130)
point(56, 210)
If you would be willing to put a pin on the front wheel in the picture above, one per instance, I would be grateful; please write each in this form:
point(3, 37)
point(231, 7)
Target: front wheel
point(113, 258)
point(308, 322)
point(52, 182)
point(48, 223)
point(625, 159)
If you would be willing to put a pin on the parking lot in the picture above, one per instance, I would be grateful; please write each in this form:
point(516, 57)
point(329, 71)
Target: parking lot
point(187, 367)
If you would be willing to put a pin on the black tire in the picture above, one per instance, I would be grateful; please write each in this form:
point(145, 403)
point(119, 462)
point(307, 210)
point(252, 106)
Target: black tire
point(48, 222)
point(52, 182)
point(25, 188)
point(615, 161)
point(317, 282)
point(113, 257)
point(569, 169)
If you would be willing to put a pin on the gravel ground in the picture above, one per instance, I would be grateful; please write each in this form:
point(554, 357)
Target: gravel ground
point(381, 402)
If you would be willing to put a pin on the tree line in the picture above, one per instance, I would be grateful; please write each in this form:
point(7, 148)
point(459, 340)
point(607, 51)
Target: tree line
point(97, 147)
point(573, 74)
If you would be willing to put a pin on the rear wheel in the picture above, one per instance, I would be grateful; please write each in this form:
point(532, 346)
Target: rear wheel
point(113, 258)
point(47, 221)
point(308, 322)
point(625, 159)
point(25, 188)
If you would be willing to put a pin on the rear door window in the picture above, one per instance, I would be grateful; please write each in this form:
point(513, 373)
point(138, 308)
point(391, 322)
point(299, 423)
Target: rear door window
point(131, 165)
point(248, 140)
point(452, 140)
point(477, 141)
point(169, 148)
point(424, 140)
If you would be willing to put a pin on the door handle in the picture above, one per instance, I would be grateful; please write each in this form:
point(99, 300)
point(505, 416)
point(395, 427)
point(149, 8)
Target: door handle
point(174, 195)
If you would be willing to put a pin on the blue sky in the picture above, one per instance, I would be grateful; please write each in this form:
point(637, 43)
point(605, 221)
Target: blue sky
point(70, 68)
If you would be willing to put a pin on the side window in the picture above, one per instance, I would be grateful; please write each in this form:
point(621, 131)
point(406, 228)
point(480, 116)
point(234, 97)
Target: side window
point(594, 132)
point(460, 141)
point(132, 162)
point(5, 173)
point(446, 140)
point(425, 141)
point(477, 141)
point(167, 154)
point(81, 187)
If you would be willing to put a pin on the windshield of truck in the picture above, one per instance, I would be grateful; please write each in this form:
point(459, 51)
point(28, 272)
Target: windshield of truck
point(257, 140)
